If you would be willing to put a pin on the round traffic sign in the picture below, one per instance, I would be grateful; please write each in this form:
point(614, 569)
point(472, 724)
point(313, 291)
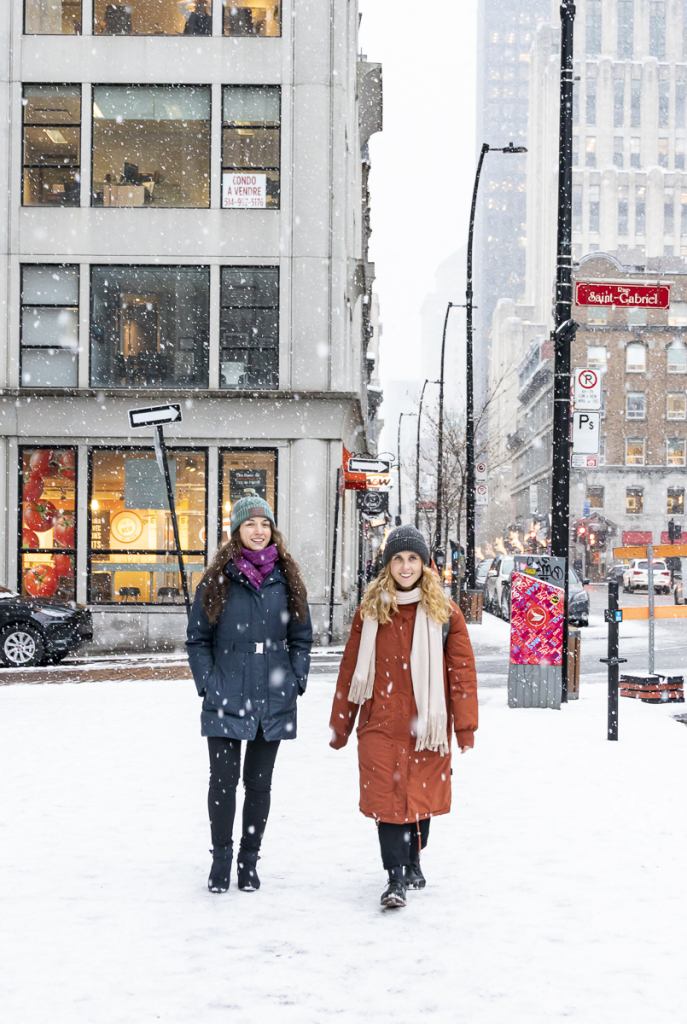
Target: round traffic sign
point(481, 488)
point(588, 379)
point(481, 468)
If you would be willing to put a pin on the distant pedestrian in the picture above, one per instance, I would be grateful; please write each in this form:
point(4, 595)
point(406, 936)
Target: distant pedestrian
point(248, 643)
point(408, 668)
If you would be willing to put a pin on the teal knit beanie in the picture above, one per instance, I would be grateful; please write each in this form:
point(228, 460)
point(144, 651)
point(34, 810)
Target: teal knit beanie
point(249, 508)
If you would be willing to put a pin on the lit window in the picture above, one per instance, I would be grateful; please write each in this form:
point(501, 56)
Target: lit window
point(590, 159)
point(249, 327)
point(635, 358)
point(635, 405)
point(153, 18)
point(595, 497)
point(677, 406)
point(49, 326)
point(597, 356)
point(677, 315)
point(252, 18)
point(634, 501)
point(52, 144)
point(246, 473)
point(48, 544)
point(634, 451)
point(52, 17)
point(640, 206)
point(675, 454)
point(677, 357)
point(675, 506)
point(250, 147)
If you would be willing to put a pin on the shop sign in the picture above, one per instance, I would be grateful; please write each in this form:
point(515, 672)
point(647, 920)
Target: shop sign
point(604, 294)
point(373, 503)
point(247, 483)
point(536, 625)
point(244, 191)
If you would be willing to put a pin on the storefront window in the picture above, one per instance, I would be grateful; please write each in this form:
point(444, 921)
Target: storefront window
point(153, 18)
point(52, 17)
point(132, 555)
point(151, 146)
point(52, 141)
point(250, 146)
point(249, 327)
point(252, 18)
point(49, 325)
point(149, 326)
point(244, 474)
point(48, 526)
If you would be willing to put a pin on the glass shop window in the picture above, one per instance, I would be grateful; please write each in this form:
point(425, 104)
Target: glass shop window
point(252, 18)
point(49, 326)
point(250, 146)
point(132, 557)
point(246, 474)
point(150, 326)
point(634, 501)
point(634, 451)
point(675, 451)
point(151, 146)
point(635, 358)
point(153, 18)
point(52, 17)
point(675, 505)
point(51, 145)
point(249, 327)
point(48, 524)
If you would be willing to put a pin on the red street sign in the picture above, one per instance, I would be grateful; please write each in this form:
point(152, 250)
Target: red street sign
point(644, 295)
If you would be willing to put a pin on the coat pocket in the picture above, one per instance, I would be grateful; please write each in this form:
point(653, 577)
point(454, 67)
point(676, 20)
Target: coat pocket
point(282, 688)
point(224, 688)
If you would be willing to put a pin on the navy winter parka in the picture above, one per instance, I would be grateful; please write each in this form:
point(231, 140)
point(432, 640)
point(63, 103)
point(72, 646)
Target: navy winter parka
point(242, 690)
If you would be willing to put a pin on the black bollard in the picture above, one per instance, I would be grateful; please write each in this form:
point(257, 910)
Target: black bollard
point(614, 617)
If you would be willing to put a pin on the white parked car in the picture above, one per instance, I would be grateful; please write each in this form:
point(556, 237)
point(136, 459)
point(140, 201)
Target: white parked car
point(637, 575)
point(496, 598)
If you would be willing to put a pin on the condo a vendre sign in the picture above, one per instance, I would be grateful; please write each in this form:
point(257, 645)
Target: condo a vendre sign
point(242, 190)
point(646, 296)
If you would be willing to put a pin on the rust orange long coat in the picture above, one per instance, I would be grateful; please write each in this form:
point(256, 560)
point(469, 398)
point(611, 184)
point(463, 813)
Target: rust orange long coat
point(397, 783)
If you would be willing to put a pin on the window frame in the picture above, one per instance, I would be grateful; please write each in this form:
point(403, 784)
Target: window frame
point(228, 35)
point(150, 35)
point(635, 395)
point(250, 170)
point(21, 550)
point(124, 449)
point(24, 125)
point(53, 34)
point(682, 442)
point(638, 491)
point(239, 450)
point(636, 441)
point(635, 345)
point(276, 348)
point(47, 305)
point(673, 512)
point(676, 394)
point(676, 344)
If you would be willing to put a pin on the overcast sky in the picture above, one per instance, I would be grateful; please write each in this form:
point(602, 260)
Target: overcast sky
point(423, 162)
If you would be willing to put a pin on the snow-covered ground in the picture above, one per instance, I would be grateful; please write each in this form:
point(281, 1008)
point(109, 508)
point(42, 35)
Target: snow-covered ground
point(555, 888)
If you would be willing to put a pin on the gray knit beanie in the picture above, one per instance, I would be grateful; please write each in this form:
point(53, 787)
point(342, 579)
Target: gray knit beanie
point(406, 538)
point(249, 508)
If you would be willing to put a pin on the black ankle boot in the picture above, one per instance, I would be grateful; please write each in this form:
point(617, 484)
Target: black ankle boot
point(221, 868)
point(248, 876)
point(414, 879)
point(395, 893)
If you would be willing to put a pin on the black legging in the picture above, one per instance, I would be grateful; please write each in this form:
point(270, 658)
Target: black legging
point(401, 844)
point(225, 765)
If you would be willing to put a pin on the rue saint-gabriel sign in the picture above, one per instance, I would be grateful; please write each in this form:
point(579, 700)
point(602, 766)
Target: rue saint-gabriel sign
point(647, 296)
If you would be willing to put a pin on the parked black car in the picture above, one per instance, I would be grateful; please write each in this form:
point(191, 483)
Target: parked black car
point(39, 631)
point(616, 572)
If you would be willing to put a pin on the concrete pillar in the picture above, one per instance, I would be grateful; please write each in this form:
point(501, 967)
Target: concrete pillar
point(654, 212)
point(309, 532)
point(650, 114)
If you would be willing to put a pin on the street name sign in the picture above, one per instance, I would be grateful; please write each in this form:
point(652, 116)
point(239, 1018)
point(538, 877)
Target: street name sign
point(604, 293)
point(585, 434)
point(587, 388)
point(155, 415)
point(380, 466)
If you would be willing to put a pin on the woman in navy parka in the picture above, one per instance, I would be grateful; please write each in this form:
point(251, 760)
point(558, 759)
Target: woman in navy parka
point(248, 643)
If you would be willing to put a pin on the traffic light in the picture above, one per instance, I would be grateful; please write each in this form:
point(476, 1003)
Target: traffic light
point(581, 531)
point(674, 531)
point(592, 540)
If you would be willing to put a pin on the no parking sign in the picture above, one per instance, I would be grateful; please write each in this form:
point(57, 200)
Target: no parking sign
point(587, 388)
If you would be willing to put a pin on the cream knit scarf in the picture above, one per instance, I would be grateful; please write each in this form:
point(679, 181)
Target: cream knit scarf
point(426, 673)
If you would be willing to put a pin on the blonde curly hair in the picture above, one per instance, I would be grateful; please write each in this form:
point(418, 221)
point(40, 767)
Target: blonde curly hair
point(379, 601)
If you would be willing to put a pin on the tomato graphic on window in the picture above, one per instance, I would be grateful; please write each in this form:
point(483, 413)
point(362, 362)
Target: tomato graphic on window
point(41, 581)
point(29, 539)
point(63, 530)
point(39, 515)
point(66, 466)
point(42, 460)
point(64, 565)
point(33, 486)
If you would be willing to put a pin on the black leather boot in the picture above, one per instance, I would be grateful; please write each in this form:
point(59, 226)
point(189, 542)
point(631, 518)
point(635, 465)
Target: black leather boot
point(395, 893)
point(414, 879)
point(221, 868)
point(248, 876)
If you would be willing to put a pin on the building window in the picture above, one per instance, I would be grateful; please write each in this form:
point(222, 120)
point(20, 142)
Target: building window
point(249, 327)
point(675, 455)
point(597, 355)
point(576, 101)
point(150, 326)
point(635, 405)
point(47, 546)
point(153, 18)
point(577, 208)
point(636, 159)
point(634, 501)
point(680, 93)
point(636, 317)
point(252, 18)
point(595, 497)
point(594, 193)
point(677, 406)
point(623, 209)
point(602, 450)
point(250, 146)
point(679, 154)
point(619, 101)
point(597, 315)
point(640, 209)
point(677, 357)
point(663, 97)
point(618, 150)
point(52, 141)
point(591, 99)
point(657, 29)
point(590, 151)
point(675, 506)
point(677, 315)
point(635, 358)
point(49, 326)
point(668, 209)
point(52, 17)
point(625, 29)
point(151, 146)
point(593, 28)
point(635, 103)
point(634, 451)
point(663, 152)
point(132, 557)
point(576, 151)
point(246, 473)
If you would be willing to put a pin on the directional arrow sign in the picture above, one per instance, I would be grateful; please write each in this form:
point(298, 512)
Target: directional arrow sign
point(368, 466)
point(155, 415)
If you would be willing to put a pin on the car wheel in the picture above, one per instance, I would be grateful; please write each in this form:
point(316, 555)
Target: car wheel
point(21, 646)
point(505, 607)
point(627, 589)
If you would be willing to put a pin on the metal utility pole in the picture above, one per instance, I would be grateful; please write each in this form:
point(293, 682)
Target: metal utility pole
point(566, 327)
point(438, 549)
point(469, 399)
point(417, 455)
point(398, 517)
point(335, 541)
point(160, 444)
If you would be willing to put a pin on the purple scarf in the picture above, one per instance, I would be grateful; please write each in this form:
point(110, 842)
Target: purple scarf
point(257, 565)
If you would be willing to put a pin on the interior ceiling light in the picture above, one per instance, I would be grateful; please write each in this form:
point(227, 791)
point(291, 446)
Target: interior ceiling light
point(55, 135)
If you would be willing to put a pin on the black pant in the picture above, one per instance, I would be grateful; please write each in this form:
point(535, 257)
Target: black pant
point(225, 765)
point(401, 844)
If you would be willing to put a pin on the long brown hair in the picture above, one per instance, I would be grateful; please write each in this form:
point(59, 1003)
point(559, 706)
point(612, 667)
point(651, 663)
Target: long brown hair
point(380, 602)
point(216, 581)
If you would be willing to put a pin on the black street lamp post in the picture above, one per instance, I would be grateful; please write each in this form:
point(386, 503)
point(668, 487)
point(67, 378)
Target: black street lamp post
point(438, 550)
point(417, 454)
point(398, 463)
point(469, 380)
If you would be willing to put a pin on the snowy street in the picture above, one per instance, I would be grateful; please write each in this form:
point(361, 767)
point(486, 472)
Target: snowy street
point(554, 887)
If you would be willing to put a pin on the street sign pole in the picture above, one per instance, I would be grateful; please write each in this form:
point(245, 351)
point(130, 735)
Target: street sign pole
point(173, 513)
point(613, 618)
point(650, 580)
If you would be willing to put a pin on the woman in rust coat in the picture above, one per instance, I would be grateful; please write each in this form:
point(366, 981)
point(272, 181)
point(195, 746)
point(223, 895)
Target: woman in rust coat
point(408, 668)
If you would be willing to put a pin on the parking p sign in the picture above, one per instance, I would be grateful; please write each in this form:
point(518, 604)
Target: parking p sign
point(587, 388)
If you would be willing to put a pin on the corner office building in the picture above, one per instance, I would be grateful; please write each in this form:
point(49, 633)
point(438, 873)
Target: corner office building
point(186, 220)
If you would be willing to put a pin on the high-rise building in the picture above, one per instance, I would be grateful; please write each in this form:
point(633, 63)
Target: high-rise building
point(182, 222)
